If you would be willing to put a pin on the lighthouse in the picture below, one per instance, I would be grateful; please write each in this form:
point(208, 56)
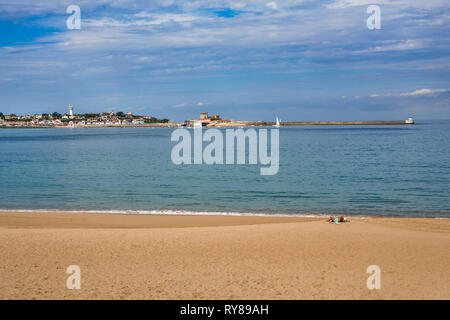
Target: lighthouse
point(70, 111)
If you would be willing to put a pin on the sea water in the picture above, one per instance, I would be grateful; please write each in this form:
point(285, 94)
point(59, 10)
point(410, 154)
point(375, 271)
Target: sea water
point(351, 170)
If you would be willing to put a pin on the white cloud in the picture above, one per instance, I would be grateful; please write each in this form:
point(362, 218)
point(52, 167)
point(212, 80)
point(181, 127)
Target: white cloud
point(182, 105)
point(354, 3)
point(187, 104)
point(272, 5)
point(419, 92)
point(409, 44)
point(144, 19)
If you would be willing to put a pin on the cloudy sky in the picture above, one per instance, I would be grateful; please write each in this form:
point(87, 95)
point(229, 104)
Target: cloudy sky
point(247, 60)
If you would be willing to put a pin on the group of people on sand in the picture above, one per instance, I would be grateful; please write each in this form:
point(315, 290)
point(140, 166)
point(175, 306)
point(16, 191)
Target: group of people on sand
point(340, 219)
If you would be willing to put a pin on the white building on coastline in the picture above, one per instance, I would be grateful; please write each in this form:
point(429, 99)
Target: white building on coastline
point(70, 112)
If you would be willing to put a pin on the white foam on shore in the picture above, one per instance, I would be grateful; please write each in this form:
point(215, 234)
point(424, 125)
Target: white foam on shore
point(175, 213)
point(217, 213)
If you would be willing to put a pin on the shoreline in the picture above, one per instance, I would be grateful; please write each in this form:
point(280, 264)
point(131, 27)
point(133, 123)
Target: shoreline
point(86, 219)
point(221, 257)
point(192, 213)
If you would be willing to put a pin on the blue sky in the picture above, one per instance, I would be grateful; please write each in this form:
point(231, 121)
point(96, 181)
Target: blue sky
point(247, 60)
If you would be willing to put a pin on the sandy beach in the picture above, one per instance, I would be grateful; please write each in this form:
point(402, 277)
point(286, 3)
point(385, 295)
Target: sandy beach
point(221, 257)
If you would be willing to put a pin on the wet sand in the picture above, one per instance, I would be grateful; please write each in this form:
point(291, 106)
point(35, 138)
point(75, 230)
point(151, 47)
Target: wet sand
point(221, 257)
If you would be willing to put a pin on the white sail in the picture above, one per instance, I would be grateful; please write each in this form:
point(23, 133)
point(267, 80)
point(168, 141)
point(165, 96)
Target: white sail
point(277, 124)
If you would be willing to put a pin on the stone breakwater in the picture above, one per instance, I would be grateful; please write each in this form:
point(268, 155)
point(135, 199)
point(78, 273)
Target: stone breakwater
point(340, 123)
point(304, 123)
point(232, 123)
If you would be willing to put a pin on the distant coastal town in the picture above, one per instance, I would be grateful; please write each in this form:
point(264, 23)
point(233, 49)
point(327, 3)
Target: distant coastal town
point(110, 119)
point(121, 119)
point(71, 119)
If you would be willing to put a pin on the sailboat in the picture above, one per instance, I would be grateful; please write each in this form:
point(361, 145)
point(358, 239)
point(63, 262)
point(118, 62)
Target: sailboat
point(277, 123)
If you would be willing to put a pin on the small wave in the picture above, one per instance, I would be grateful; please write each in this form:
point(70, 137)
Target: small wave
point(221, 213)
point(174, 213)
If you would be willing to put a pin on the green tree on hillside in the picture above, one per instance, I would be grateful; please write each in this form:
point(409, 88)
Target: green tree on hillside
point(156, 120)
point(2, 116)
point(91, 115)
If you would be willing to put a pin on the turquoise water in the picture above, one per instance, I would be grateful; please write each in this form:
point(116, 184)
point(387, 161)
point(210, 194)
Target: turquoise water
point(360, 170)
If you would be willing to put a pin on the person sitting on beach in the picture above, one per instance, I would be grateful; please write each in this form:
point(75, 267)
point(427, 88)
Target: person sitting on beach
point(340, 219)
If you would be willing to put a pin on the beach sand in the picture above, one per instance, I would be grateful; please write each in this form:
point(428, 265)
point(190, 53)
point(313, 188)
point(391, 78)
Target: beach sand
point(221, 257)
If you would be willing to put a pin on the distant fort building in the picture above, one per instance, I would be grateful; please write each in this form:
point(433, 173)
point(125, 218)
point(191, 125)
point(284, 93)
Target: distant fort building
point(204, 120)
point(205, 116)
